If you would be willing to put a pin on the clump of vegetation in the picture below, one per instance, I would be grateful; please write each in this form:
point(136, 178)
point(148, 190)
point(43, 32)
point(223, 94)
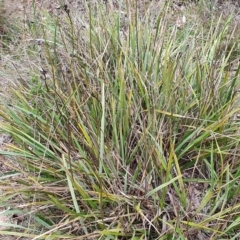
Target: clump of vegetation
point(124, 126)
point(1, 18)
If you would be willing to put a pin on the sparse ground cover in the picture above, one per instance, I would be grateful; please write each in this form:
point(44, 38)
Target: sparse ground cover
point(119, 120)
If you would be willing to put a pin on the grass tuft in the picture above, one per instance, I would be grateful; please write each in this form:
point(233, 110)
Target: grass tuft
point(124, 125)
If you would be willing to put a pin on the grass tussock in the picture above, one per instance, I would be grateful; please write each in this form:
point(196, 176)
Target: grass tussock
point(124, 125)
